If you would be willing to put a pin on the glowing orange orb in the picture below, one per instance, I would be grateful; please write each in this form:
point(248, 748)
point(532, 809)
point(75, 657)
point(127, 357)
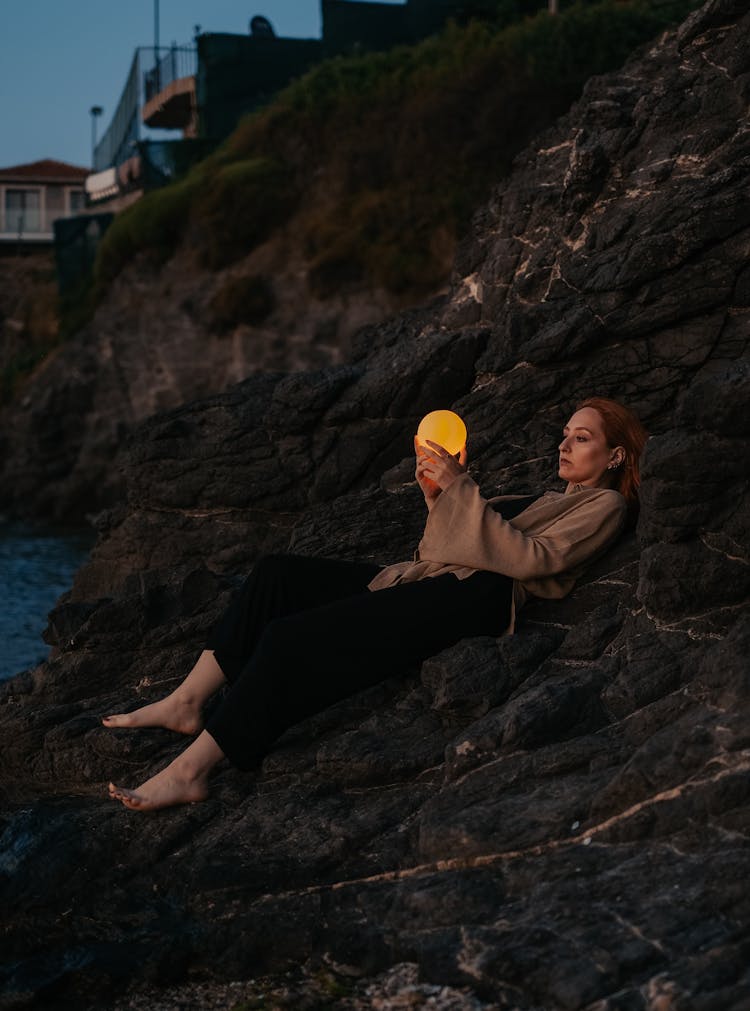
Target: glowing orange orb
point(443, 427)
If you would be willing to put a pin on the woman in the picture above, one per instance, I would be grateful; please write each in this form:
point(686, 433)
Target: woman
point(303, 633)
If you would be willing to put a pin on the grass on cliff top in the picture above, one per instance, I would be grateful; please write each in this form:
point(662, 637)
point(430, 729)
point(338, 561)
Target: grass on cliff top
point(382, 158)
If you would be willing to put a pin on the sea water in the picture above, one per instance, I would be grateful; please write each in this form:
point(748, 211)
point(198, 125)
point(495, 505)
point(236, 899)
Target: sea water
point(37, 565)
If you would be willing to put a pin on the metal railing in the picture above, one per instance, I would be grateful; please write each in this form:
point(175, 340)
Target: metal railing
point(177, 62)
point(126, 129)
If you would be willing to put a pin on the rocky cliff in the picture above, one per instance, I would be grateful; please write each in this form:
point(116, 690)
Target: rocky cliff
point(161, 339)
point(553, 820)
point(28, 313)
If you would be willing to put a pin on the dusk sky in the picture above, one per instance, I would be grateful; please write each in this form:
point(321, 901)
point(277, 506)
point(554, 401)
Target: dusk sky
point(60, 57)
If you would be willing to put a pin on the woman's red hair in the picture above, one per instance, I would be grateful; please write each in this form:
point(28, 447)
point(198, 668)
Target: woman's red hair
point(622, 428)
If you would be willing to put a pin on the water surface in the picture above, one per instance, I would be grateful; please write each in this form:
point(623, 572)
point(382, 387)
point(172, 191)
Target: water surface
point(36, 566)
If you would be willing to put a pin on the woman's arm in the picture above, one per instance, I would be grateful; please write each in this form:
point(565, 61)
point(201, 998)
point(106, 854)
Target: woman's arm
point(463, 529)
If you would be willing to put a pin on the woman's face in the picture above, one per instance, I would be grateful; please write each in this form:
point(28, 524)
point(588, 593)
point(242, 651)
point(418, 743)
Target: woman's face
point(584, 453)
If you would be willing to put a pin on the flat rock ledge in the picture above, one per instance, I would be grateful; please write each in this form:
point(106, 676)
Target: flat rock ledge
point(553, 821)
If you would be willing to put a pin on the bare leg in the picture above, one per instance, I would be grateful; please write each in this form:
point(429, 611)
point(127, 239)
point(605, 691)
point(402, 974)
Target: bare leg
point(181, 710)
point(184, 781)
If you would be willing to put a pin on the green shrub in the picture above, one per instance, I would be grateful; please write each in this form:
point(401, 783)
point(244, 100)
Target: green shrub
point(244, 299)
point(240, 207)
point(154, 224)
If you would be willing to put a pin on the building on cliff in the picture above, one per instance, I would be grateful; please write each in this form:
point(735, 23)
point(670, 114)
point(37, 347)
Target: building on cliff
point(203, 89)
point(199, 92)
point(33, 197)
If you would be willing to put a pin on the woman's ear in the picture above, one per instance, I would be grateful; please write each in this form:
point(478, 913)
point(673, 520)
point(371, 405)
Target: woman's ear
point(618, 458)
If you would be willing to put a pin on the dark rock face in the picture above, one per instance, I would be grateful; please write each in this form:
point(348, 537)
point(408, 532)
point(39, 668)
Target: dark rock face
point(555, 820)
point(152, 345)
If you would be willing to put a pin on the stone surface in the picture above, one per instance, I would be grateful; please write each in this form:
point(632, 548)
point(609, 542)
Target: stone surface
point(28, 310)
point(154, 343)
point(554, 821)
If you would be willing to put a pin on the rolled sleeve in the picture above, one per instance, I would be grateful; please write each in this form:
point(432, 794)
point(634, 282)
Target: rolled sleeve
point(463, 529)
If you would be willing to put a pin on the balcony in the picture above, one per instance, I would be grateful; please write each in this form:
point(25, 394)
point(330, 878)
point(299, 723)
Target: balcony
point(146, 88)
point(169, 92)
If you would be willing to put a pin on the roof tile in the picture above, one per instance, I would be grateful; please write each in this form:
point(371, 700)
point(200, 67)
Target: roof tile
point(47, 169)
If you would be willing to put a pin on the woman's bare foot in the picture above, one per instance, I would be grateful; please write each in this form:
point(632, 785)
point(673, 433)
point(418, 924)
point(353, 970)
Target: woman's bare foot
point(180, 711)
point(165, 789)
point(184, 781)
point(175, 712)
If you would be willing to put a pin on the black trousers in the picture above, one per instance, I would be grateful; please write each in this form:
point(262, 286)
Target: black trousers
point(303, 633)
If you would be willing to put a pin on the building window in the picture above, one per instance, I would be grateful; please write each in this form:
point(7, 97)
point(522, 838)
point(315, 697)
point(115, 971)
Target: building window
point(77, 201)
point(22, 211)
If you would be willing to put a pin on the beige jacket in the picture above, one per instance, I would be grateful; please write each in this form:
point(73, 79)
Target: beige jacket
point(544, 549)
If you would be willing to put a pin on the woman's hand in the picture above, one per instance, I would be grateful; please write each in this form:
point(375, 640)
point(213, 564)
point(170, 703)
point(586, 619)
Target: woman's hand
point(437, 469)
